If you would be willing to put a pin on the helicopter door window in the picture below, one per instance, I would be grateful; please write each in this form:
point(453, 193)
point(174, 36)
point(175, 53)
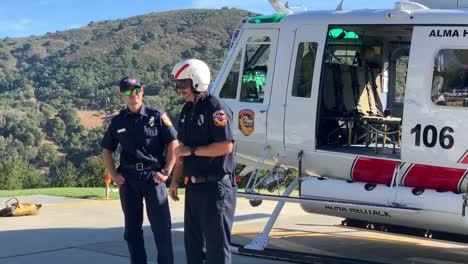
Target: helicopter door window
point(450, 78)
point(229, 90)
point(255, 71)
point(397, 68)
point(400, 84)
point(304, 69)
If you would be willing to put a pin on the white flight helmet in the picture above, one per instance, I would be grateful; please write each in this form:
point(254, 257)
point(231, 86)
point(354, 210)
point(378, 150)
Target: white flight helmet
point(193, 69)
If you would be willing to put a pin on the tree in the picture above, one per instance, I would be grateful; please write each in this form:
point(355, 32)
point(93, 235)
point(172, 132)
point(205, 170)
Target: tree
point(59, 130)
point(67, 175)
point(92, 172)
point(16, 173)
point(47, 155)
point(9, 178)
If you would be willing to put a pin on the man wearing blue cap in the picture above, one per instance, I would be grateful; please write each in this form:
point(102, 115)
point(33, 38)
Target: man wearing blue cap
point(148, 140)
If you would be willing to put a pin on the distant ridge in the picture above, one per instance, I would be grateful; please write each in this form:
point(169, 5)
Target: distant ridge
point(81, 66)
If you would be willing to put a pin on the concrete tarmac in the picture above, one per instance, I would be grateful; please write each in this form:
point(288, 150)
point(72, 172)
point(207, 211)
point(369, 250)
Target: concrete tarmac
point(89, 231)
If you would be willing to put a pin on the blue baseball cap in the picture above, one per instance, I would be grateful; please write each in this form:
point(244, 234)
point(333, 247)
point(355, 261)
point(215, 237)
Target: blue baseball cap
point(129, 81)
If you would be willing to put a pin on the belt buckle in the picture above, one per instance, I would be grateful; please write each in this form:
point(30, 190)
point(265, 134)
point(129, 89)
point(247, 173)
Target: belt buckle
point(139, 166)
point(193, 179)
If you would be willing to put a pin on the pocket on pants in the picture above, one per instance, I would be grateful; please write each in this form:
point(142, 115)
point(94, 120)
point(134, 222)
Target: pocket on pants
point(161, 193)
point(223, 189)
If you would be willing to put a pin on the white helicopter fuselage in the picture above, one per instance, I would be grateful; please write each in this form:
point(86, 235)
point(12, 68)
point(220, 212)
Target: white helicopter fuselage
point(376, 101)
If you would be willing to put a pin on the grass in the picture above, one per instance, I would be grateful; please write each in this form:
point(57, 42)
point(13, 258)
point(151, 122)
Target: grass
point(97, 193)
point(83, 193)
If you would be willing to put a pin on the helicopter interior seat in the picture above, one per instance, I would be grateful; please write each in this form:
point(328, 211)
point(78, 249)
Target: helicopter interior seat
point(373, 125)
point(336, 112)
point(334, 97)
point(354, 99)
point(352, 106)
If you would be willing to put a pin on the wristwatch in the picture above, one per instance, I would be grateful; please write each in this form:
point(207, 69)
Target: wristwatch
point(165, 172)
point(192, 150)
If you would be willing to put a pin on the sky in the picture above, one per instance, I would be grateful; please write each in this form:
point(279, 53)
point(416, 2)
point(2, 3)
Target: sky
point(23, 18)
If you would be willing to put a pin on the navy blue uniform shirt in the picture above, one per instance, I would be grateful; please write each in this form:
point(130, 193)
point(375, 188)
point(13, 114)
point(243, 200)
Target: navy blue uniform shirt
point(207, 121)
point(143, 136)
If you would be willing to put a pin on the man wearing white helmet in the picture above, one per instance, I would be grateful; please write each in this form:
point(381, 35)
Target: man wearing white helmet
point(205, 131)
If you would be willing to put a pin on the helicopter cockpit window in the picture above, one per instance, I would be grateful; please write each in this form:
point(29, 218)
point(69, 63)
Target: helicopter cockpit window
point(450, 78)
point(304, 70)
point(255, 69)
point(259, 39)
point(229, 90)
point(336, 35)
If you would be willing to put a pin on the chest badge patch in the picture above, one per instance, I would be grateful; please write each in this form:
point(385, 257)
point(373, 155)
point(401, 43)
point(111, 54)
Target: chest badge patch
point(246, 121)
point(220, 118)
point(166, 120)
point(201, 120)
point(121, 130)
point(151, 121)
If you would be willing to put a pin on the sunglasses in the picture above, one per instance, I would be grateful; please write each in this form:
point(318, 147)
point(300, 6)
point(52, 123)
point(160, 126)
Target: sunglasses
point(135, 90)
point(183, 84)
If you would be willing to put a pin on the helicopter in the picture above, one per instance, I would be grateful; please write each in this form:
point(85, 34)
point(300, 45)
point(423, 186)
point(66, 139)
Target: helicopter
point(370, 106)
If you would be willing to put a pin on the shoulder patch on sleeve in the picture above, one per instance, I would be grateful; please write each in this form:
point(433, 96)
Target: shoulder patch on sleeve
point(166, 120)
point(220, 118)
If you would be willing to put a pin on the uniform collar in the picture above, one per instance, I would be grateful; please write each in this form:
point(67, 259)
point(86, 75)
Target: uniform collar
point(143, 111)
point(201, 97)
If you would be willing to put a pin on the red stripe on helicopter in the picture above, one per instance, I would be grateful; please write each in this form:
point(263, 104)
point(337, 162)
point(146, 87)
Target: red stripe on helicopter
point(370, 170)
point(432, 177)
point(464, 158)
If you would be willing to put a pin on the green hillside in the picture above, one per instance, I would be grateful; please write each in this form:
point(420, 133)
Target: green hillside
point(45, 79)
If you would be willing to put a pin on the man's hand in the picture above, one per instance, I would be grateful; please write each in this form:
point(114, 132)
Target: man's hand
point(173, 190)
point(118, 179)
point(158, 177)
point(182, 151)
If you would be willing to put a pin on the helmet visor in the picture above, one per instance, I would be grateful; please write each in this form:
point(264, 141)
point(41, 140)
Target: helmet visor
point(183, 84)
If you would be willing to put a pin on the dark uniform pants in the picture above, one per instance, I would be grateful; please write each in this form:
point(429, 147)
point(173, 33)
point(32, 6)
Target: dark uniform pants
point(209, 213)
point(139, 185)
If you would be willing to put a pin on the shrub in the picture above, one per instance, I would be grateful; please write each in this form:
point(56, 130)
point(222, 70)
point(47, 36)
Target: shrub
point(16, 174)
point(92, 172)
point(67, 175)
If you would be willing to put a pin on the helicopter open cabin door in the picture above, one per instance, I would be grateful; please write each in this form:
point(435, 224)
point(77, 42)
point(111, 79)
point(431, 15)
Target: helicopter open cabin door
point(246, 86)
point(435, 125)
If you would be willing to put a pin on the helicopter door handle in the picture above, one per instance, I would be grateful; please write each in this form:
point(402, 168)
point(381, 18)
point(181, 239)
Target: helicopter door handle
point(262, 111)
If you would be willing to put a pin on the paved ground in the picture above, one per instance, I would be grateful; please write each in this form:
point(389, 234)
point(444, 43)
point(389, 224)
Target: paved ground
point(85, 231)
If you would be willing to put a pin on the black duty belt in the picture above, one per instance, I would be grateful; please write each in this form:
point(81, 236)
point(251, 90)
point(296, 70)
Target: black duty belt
point(141, 166)
point(196, 180)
